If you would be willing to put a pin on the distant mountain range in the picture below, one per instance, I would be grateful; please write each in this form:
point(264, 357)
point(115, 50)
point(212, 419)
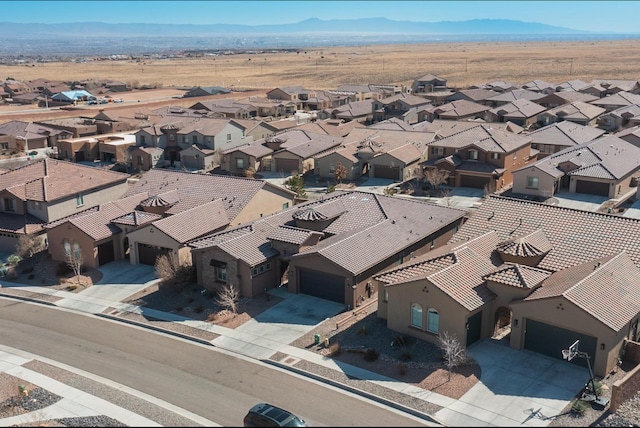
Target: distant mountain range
point(313, 25)
point(21, 41)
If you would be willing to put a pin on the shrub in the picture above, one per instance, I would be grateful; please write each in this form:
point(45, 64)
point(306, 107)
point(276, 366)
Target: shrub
point(331, 189)
point(63, 269)
point(371, 355)
point(406, 355)
point(578, 406)
point(334, 349)
point(13, 260)
point(402, 369)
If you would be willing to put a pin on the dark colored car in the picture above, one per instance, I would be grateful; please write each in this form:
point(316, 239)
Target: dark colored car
point(268, 415)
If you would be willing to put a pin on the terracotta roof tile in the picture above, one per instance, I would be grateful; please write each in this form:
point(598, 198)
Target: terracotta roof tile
point(516, 275)
point(195, 222)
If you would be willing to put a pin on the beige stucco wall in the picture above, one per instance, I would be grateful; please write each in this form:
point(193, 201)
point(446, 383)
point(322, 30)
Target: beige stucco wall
point(150, 235)
point(545, 182)
point(323, 166)
point(571, 318)
point(267, 200)
point(68, 231)
point(64, 207)
point(398, 310)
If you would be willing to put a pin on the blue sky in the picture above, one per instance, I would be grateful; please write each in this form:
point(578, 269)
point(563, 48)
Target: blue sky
point(599, 16)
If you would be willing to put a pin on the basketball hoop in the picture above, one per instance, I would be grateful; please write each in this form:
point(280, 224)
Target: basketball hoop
point(566, 354)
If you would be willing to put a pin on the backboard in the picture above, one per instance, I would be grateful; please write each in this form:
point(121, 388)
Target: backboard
point(571, 352)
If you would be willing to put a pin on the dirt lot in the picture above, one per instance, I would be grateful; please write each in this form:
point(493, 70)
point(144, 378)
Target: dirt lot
point(462, 64)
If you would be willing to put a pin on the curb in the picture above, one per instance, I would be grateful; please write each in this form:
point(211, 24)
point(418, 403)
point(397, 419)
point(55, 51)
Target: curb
point(356, 391)
point(301, 372)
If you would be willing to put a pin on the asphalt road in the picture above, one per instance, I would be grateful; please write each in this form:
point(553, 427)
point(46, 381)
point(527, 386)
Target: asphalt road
point(210, 383)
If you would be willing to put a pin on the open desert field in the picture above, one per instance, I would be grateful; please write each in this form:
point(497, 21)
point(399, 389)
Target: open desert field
point(462, 64)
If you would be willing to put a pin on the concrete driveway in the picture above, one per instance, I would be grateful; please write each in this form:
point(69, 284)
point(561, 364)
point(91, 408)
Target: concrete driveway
point(579, 201)
point(516, 388)
point(120, 279)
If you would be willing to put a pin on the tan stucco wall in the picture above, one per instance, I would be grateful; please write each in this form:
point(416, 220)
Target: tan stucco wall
point(266, 201)
point(323, 167)
point(398, 309)
point(571, 318)
point(68, 231)
point(545, 182)
point(64, 207)
point(150, 235)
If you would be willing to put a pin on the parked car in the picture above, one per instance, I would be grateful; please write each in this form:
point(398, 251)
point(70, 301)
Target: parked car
point(118, 100)
point(268, 415)
point(92, 102)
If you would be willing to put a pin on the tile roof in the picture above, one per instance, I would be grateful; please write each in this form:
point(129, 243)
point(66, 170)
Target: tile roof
point(291, 235)
point(574, 85)
point(458, 109)
point(615, 304)
point(17, 223)
point(621, 98)
point(521, 108)
point(607, 157)
point(538, 85)
point(576, 110)
point(486, 138)
point(97, 223)
point(195, 222)
point(445, 128)
point(533, 244)
point(477, 94)
point(236, 192)
point(576, 236)
point(565, 133)
point(564, 97)
point(519, 276)
point(48, 180)
point(367, 229)
point(136, 218)
point(517, 94)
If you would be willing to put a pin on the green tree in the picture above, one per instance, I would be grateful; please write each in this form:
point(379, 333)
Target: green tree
point(295, 183)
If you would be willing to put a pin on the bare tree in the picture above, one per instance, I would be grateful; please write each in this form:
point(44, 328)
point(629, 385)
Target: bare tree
point(250, 172)
point(28, 245)
point(73, 257)
point(175, 273)
point(340, 173)
point(228, 297)
point(436, 177)
point(453, 352)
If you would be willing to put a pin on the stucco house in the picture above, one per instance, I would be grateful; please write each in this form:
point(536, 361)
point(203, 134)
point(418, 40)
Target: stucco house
point(571, 85)
point(528, 271)
point(621, 118)
point(398, 106)
point(455, 110)
point(26, 136)
point(617, 100)
point(145, 158)
point(578, 112)
point(161, 212)
point(541, 86)
point(480, 157)
point(325, 248)
point(477, 95)
point(558, 136)
point(428, 83)
point(496, 85)
point(603, 87)
point(41, 191)
point(228, 107)
point(254, 155)
point(607, 166)
point(360, 111)
point(522, 112)
point(377, 153)
point(564, 97)
point(507, 97)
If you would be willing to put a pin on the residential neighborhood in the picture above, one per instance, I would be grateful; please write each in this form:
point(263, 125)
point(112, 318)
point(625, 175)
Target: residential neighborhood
point(354, 196)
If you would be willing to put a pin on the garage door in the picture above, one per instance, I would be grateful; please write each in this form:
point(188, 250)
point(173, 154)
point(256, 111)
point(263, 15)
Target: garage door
point(287, 165)
point(551, 340)
point(592, 188)
point(390, 172)
point(147, 254)
point(474, 181)
point(322, 284)
point(105, 253)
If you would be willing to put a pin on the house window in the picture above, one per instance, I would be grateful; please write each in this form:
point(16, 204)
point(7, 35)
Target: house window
point(79, 200)
point(285, 205)
point(495, 155)
point(532, 182)
point(194, 138)
point(228, 137)
point(142, 139)
point(473, 154)
point(433, 321)
point(4, 146)
point(239, 163)
point(438, 151)
point(184, 139)
point(416, 315)
point(9, 205)
point(221, 274)
point(332, 168)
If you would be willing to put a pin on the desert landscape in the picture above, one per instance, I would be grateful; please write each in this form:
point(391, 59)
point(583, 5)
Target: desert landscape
point(462, 64)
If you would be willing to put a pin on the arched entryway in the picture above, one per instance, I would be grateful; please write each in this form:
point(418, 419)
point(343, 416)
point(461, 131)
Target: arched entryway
point(502, 325)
